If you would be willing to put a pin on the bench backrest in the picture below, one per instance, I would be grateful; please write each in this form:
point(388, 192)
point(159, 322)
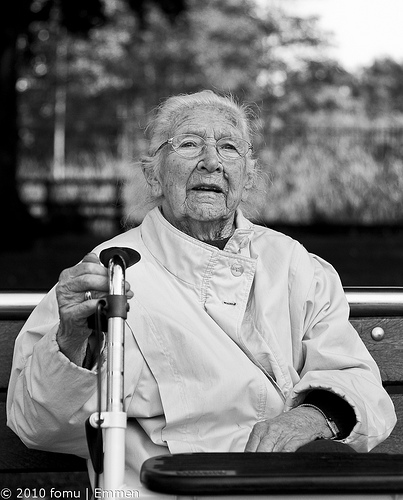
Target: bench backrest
point(373, 311)
point(14, 455)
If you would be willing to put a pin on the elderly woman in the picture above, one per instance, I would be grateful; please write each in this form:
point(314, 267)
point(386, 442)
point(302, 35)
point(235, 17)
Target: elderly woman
point(237, 338)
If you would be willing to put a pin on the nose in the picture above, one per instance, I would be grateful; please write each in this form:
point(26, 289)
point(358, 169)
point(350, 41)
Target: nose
point(210, 160)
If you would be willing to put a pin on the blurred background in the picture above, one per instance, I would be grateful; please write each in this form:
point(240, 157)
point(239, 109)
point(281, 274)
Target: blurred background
point(80, 78)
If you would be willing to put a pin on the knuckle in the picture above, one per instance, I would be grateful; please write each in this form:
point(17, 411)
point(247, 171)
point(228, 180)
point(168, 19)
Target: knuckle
point(64, 275)
point(262, 425)
point(258, 430)
point(82, 282)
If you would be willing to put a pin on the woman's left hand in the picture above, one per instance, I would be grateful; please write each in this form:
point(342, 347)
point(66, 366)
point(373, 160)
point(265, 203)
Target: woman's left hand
point(289, 431)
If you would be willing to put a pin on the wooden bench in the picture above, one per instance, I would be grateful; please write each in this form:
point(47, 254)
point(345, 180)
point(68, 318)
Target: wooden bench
point(376, 313)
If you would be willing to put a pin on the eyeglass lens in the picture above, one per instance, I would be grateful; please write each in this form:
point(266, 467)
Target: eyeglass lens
point(190, 146)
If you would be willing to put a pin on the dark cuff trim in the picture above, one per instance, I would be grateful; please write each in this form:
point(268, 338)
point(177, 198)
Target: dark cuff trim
point(335, 408)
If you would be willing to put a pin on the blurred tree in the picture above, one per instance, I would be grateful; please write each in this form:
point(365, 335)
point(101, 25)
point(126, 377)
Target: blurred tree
point(382, 88)
point(308, 91)
point(77, 16)
point(322, 88)
point(120, 71)
point(14, 22)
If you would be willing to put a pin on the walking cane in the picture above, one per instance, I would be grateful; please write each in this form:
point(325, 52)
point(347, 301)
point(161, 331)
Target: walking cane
point(113, 420)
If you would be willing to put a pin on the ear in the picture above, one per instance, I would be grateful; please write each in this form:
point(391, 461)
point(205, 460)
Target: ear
point(250, 175)
point(249, 180)
point(152, 178)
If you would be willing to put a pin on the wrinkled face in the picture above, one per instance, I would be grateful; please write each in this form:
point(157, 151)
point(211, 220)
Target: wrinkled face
point(206, 188)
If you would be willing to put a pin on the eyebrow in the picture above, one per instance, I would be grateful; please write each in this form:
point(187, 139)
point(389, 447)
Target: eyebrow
point(221, 133)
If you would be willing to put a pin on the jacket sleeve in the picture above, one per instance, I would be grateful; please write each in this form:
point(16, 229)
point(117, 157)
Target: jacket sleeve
point(49, 397)
point(331, 356)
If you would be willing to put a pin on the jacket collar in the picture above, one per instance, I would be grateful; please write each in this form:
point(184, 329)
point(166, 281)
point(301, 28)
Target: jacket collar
point(188, 258)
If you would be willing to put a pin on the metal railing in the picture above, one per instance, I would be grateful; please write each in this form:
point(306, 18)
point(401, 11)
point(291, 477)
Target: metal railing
point(18, 305)
point(364, 302)
point(375, 301)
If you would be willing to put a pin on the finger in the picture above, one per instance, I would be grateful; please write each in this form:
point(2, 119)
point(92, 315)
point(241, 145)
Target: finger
point(290, 447)
point(266, 444)
point(82, 270)
point(291, 443)
point(87, 268)
point(253, 443)
point(91, 263)
point(82, 309)
point(86, 282)
point(98, 288)
point(91, 257)
point(258, 432)
point(95, 284)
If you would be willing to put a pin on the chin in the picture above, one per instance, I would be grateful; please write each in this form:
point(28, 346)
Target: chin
point(207, 212)
point(211, 217)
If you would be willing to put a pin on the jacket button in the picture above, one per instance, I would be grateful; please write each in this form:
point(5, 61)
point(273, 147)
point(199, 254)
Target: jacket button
point(237, 269)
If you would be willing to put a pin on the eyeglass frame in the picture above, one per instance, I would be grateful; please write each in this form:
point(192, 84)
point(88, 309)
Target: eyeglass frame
point(169, 141)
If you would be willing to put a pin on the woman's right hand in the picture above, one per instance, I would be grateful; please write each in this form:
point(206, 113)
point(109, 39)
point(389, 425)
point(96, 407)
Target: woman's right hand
point(87, 276)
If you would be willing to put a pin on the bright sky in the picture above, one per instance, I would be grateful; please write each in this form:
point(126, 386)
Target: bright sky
point(364, 29)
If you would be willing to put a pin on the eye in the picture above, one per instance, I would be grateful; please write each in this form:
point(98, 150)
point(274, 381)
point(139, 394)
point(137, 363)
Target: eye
point(188, 144)
point(228, 145)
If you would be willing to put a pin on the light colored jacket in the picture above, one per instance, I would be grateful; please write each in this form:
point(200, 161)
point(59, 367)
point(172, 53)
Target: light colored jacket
point(215, 341)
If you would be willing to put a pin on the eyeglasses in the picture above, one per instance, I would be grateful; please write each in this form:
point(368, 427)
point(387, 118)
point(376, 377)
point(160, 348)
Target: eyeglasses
point(191, 146)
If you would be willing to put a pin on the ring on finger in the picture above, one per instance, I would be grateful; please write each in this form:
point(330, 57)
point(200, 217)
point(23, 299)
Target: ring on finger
point(87, 295)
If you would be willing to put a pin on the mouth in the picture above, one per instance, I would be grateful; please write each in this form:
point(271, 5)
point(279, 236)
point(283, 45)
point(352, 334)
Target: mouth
point(209, 188)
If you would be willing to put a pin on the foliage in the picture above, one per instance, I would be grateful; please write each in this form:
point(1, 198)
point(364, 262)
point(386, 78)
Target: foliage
point(333, 179)
point(382, 88)
point(127, 64)
point(322, 178)
point(77, 16)
point(122, 70)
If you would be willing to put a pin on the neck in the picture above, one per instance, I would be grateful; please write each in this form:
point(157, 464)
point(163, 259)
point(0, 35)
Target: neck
point(206, 230)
